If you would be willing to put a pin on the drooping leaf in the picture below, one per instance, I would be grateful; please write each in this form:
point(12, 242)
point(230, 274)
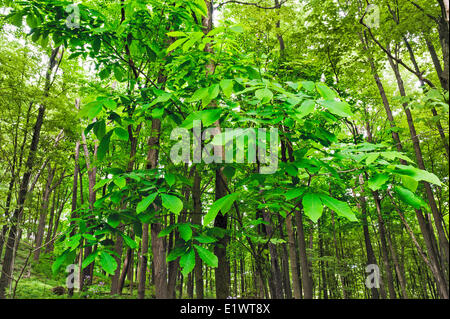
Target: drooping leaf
point(143, 204)
point(377, 181)
point(409, 197)
point(108, 262)
point(187, 262)
point(89, 259)
point(313, 206)
point(172, 203)
point(208, 257)
point(223, 204)
point(185, 231)
point(341, 208)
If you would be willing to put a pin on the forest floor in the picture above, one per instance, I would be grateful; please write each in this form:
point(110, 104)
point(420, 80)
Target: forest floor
point(38, 281)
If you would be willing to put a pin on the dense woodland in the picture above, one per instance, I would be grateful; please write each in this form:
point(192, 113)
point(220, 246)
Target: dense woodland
point(92, 94)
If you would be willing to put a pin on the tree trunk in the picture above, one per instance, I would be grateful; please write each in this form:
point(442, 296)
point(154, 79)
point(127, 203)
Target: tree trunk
point(293, 257)
point(306, 279)
point(196, 219)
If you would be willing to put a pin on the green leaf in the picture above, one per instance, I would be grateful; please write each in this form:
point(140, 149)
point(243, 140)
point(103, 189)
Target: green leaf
point(110, 104)
point(121, 182)
point(372, 157)
point(313, 206)
point(227, 87)
point(294, 193)
point(327, 93)
point(418, 174)
point(409, 197)
point(59, 261)
point(210, 116)
point(100, 129)
point(341, 208)
point(129, 241)
point(223, 204)
point(175, 253)
point(204, 239)
point(89, 259)
point(157, 113)
point(121, 133)
point(172, 203)
point(32, 21)
point(170, 179)
point(113, 220)
point(377, 181)
point(213, 91)
point(237, 28)
point(101, 183)
point(103, 147)
point(162, 97)
point(143, 204)
point(16, 19)
point(176, 44)
point(185, 231)
point(187, 262)
point(208, 257)
point(409, 182)
point(337, 107)
point(306, 108)
point(90, 237)
point(264, 95)
point(176, 34)
point(198, 95)
point(108, 263)
point(308, 85)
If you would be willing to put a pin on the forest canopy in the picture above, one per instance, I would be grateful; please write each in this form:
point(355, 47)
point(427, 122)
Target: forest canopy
point(270, 149)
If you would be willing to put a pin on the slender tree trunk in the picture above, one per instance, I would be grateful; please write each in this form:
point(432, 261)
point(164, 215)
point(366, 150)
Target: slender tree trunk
point(293, 257)
point(196, 219)
point(306, 279)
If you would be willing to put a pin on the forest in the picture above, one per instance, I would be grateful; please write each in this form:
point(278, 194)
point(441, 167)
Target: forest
point(251, 149)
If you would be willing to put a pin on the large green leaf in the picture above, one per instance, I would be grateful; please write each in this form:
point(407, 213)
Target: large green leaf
point(223, 204)
point(409, 197)
point(418, 174)
point(337, 107)
point(293, 193)
point(208, 257)
point(313, 206)
point(143, 204)
point(103, 147)
point(326, 92)
point(89, 259)
point(305, 109)
point(341, 208)
point(108, 262)
point(377, 181)
point(129, 241)
point(264, 95)
point(227, 87)
point(187, 262)
point(176, 44)
point(185, 231)
point(172, 203)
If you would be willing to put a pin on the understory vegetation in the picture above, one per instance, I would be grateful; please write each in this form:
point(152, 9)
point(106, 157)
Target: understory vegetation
point(283, 149)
